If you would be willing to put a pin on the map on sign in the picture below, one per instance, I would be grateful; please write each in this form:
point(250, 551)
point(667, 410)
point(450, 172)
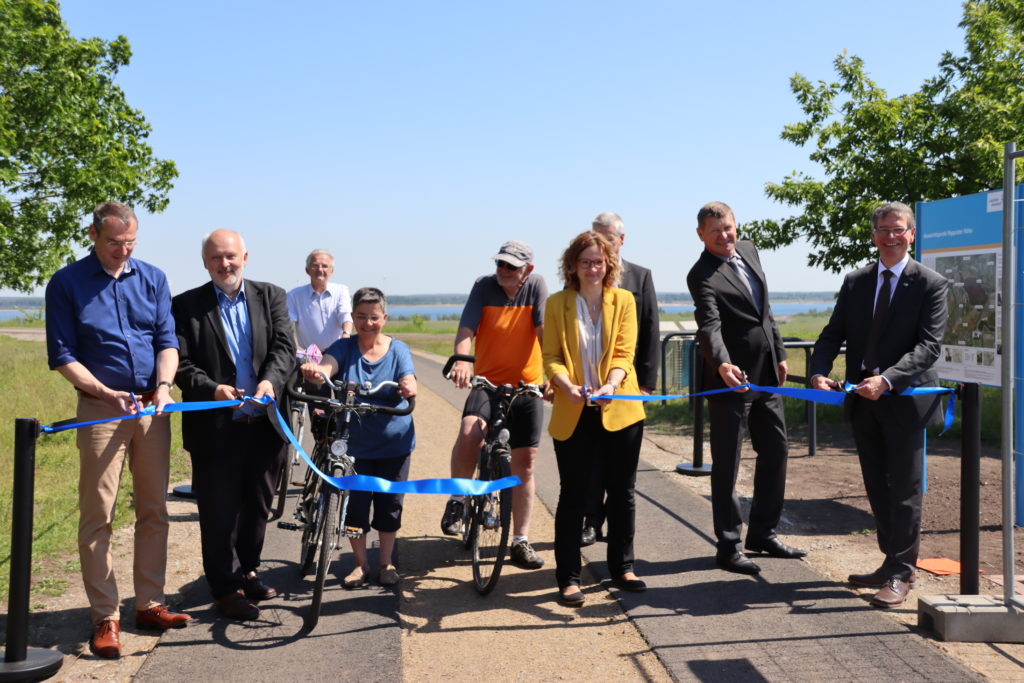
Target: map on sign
point(961, 239)
point(970, 345)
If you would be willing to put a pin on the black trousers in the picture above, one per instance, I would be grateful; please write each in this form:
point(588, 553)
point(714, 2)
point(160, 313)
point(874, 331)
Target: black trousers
point(593, 451)
point(387, 507)
point(234, 489)
point(763, 416)
point(889, 434)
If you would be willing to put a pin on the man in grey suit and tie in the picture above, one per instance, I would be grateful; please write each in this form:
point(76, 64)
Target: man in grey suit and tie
point(638, 280)
point(891, 314)
point(739, 340)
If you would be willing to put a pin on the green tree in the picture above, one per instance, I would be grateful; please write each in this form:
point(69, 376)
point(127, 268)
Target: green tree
point(68, 140)
point(944, 140)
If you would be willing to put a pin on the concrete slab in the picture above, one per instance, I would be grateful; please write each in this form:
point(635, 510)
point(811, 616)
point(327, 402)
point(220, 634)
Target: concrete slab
point(971, 618)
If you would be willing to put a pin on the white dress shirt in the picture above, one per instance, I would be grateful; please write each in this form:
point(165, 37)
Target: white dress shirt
point(319, 318)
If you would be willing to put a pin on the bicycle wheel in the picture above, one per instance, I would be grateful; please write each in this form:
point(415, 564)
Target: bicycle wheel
point(491, 520)
point(295, 423)
point(468, 515)
point(331, 504)
point(310, 511)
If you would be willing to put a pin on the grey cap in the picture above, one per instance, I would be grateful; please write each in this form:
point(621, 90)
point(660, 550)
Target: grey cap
point(518, 254)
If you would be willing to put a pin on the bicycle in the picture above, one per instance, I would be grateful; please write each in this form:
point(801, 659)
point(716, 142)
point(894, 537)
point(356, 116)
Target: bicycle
point(487, 518)
point(322, 507)
point(297, 423)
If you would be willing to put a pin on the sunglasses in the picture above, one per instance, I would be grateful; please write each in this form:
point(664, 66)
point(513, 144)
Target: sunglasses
point(505, 265)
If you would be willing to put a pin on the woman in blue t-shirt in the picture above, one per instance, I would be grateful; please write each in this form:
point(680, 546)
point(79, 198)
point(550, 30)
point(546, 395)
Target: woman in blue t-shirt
point(380, 444)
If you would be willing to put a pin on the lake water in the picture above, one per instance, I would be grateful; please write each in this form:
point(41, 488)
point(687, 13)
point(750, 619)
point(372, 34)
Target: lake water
point(435, 312)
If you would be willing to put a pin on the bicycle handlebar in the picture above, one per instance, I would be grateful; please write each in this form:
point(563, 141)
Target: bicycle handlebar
point(331, 403)
point(480, 382)
point(452, 360)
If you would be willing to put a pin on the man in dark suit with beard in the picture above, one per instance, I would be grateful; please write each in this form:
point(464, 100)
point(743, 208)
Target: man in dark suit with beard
point(637, 280)
point(236, 340)
point(891, 314)
point(739, 340)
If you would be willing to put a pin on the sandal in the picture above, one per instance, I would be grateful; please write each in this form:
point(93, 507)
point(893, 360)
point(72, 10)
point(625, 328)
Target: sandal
point(355, 579)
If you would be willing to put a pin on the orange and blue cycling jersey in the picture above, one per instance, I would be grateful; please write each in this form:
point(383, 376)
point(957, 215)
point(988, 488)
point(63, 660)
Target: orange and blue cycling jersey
point(506, 348)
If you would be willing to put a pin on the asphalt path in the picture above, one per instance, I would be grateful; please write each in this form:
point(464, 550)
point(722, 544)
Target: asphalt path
point(789, 623)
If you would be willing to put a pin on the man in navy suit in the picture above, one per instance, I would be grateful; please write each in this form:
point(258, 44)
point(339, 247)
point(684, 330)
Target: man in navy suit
point(236, 340)
point(740, 342)
point(891, 314)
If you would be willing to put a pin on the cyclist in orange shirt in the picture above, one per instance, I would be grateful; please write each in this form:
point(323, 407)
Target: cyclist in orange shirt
point(504, 315)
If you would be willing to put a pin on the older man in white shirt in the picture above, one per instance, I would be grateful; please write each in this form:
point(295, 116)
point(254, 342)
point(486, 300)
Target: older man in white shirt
point(321, 310)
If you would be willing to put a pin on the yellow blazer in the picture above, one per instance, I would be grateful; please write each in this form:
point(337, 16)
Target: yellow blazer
point(561, 352)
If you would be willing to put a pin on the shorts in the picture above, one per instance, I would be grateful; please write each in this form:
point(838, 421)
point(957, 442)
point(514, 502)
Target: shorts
point(387, 507)
point(525, 419)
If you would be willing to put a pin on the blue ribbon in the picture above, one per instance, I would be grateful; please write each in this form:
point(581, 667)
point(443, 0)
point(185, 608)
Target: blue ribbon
point(827, 396)
point(355, 482)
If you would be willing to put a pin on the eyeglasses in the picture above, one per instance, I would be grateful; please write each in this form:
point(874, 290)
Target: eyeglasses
point(363, 318)
point(889, 232)
point(587, 264)
point(127, 244)
point(505, 265)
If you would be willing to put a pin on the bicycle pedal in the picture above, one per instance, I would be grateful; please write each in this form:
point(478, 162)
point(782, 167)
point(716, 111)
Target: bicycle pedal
point(351, 532)
point(291, 526)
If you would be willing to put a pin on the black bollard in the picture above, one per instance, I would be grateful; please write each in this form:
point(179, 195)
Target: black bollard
point(697, 468)
point(970, 487)
point(20, 662)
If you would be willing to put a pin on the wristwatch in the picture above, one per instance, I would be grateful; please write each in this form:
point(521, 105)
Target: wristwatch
point(169, 385)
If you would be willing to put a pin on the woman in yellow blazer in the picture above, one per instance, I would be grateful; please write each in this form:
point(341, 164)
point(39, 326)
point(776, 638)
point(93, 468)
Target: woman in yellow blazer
point(590, 333)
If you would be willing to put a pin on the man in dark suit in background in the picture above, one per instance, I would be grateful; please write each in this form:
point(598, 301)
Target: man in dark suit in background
point(891, 314)
point(638, 280)
point(739, 341)
point(236, 340)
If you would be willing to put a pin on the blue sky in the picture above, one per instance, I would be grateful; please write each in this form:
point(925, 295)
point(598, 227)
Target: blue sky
point(412, 138)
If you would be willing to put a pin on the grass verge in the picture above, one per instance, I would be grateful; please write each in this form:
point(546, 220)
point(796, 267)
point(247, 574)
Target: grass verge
point(30, 389)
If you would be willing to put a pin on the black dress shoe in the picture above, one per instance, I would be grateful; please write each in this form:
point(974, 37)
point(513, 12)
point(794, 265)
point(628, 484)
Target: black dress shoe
point(572, 599)
point(738, 563)
point(631, 585)
point(256, 590)
point(588, 537)
point(237, 606)
point(875, 579)
point(773, 547)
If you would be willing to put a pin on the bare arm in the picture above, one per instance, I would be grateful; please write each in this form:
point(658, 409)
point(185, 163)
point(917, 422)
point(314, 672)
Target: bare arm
point(462, 371)
point(166, 367)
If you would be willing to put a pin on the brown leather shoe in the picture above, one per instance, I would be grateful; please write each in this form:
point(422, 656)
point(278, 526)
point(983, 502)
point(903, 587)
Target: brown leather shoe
point(160, 618)
point(237, 606)
point(106, 639)
point(875, 579)
point(893, 593)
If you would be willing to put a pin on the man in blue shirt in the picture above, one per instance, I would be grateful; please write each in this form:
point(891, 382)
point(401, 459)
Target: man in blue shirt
point(235, 340)
point(109, 332)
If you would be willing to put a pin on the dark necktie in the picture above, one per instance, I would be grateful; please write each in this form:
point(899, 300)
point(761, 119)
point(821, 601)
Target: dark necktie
point(877, 322)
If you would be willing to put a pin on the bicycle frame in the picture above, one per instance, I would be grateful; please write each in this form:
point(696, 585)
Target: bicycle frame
point(487, 518)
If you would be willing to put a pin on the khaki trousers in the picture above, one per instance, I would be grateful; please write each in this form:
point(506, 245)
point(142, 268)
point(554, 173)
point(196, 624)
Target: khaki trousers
point(102, 449)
